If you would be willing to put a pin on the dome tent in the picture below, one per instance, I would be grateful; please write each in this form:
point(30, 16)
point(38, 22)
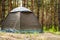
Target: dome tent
point(21, 18)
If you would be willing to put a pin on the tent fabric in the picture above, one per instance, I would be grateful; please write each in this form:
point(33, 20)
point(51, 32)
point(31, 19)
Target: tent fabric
point(20, 9)
point(29, 21)
point(21, 21)
point(11, 20)
point(18, 20)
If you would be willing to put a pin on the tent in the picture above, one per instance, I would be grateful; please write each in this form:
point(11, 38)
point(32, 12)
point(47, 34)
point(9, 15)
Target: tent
point(21, 18)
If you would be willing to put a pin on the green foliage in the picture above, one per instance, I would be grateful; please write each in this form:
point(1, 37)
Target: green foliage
point(44, 28)
point(52, 29)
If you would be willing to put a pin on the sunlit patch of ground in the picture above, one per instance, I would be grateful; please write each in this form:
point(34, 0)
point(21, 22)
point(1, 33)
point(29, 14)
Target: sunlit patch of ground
point(41, 36)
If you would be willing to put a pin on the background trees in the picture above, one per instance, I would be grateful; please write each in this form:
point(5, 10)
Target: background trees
point(47, 11)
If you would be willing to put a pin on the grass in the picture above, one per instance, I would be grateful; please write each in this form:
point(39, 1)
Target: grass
point(32, 36)
point(52, 30)
point(35, 36)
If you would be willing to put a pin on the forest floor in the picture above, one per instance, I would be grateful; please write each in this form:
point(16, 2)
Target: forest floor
point(41, 36)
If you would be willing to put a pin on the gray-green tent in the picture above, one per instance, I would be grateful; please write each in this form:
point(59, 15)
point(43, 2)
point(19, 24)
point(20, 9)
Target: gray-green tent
point(21, 18)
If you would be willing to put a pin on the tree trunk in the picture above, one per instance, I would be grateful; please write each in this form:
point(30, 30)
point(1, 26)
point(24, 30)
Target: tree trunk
point(32, 4)
point(23, 3)
point(10, 5)
point(3, 12)
point(59, 14)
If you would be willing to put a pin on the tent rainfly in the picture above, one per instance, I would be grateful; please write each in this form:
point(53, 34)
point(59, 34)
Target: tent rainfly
point(20, 9)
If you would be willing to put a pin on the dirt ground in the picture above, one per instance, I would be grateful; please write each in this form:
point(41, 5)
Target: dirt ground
point(41, 36)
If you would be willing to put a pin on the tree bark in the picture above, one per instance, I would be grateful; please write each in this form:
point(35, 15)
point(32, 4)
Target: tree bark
point(59, 14)
point(10, 5)
point(3, 12)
